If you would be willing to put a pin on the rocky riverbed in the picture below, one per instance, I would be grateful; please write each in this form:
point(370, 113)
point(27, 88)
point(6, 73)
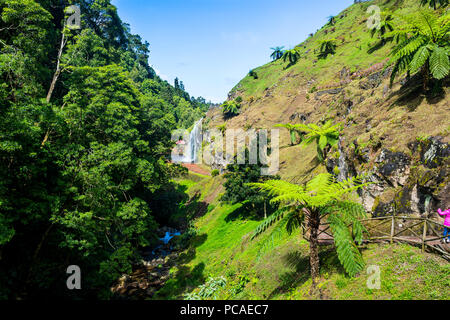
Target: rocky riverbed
point(152, 272)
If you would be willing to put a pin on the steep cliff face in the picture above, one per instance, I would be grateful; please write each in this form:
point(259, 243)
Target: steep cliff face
point(397, 135)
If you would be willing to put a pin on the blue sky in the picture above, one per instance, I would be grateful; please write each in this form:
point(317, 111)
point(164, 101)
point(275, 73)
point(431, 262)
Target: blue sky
point(212, 44)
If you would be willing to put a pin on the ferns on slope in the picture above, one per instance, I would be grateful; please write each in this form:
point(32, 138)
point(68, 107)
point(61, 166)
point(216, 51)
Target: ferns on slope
point(323, 197)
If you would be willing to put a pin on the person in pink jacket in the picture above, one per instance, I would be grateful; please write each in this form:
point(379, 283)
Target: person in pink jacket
point(446, 214)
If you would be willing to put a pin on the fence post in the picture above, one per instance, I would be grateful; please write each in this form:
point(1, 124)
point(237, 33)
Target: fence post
point(392, 229)
point(424, 236)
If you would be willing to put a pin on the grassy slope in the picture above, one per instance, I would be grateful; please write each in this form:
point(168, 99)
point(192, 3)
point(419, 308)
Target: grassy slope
point(275, 266)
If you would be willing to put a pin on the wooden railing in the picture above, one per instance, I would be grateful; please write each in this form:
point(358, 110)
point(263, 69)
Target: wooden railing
point(423, 232)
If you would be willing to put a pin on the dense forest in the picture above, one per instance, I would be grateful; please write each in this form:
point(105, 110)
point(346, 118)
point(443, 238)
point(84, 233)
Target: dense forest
point(85, 134)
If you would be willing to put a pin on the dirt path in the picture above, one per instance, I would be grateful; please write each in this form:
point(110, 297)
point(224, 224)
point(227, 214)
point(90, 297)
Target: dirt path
point(325, 238)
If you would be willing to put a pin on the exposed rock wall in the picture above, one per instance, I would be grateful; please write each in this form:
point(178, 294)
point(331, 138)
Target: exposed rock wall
point(416, 183)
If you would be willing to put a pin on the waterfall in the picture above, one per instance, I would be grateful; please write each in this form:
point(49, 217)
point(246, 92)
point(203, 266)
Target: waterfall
point(193, 145)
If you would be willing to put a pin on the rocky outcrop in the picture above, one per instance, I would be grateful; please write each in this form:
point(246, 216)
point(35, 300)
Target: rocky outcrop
point(417, 183)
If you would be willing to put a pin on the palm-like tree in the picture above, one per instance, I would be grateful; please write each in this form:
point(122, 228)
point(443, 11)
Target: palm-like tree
point(331, 20)
point(325, 137)
point(230, 108)
point(423, 45)
point(277, 53)
point(327, 47)
point(293, 131)
point(292, 55)
point(435, 3)
point(322, 197)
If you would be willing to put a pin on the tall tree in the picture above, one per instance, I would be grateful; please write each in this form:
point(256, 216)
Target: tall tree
point(237, 190)
point(321, 199)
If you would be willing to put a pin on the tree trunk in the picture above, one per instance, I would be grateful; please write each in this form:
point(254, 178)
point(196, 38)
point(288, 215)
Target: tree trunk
point(426, 75)
point(314, 223)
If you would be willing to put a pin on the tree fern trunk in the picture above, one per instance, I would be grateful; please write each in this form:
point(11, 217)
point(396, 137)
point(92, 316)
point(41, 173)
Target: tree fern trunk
point(314, 223)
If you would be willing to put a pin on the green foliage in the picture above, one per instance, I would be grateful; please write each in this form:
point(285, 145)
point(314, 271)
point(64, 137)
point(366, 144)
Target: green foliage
point(423, 45)
point(386, 25)
point(231, 108)
point(237, 190)
point(294, 131)
point(253, 74)
point(222, 128)
point(332, 20)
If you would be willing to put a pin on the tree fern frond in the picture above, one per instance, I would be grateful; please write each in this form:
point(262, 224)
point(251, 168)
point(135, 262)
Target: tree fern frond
point(348, 253)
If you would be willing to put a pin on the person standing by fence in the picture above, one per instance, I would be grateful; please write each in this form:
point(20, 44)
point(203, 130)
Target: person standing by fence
point(446, 214)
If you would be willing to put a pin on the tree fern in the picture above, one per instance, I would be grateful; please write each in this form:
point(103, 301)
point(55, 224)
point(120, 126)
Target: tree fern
point(327, 47)
point(277, 53)
point(293, 131)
